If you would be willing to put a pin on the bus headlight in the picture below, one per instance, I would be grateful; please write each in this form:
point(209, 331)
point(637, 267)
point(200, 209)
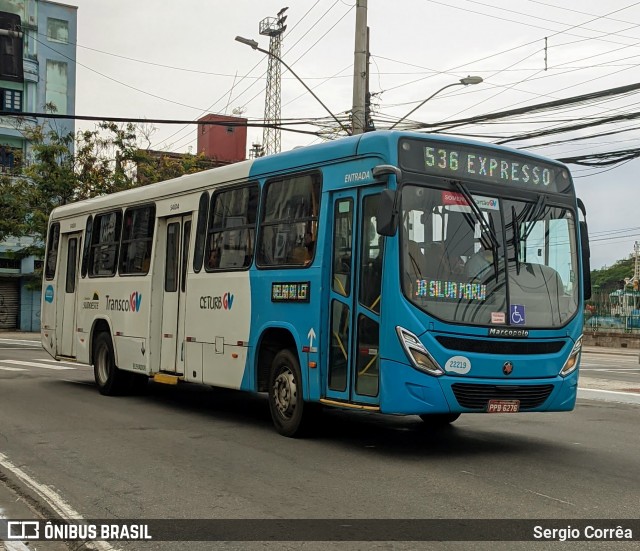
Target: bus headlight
point(572, 361)
point(417, 353)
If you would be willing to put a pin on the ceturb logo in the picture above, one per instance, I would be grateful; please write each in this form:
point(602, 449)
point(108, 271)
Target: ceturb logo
point(217, 303)
point(132, 304)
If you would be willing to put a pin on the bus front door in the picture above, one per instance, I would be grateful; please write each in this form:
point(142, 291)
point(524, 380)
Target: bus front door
point(67, 282)
point(178, 233)
point(354, 315)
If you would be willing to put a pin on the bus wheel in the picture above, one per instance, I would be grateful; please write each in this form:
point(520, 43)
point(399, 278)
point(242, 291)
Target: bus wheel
point(439, 419)
point(109, 378)
point(285, 394)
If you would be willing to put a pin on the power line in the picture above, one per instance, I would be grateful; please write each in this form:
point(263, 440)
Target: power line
point(282, 126)
point(115, 79)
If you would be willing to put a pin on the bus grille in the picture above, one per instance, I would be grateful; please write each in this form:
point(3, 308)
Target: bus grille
point(473, 396)
point(492, 346)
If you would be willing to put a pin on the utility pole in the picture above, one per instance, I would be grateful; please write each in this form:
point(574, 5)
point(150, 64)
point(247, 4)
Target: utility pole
point(636, 267)
point(369, 126)
point(360, 69)
point(273, 27)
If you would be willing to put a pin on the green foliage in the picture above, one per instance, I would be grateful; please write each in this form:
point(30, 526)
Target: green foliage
point(611, 278)
point(13, 211)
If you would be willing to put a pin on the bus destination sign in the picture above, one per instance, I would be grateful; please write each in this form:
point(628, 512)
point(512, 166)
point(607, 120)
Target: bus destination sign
point(465, 162)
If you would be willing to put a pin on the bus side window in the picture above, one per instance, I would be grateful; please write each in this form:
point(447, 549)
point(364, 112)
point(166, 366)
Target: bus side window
point(289, 225)
point(201, 232)
point(52, 251)
point(105, 242)
point(231, 230)
point(86, 247)
point(137, 240)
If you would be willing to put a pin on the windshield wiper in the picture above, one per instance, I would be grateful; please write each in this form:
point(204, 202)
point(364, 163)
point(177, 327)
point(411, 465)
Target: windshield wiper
point(533, 214)
point(487, 227)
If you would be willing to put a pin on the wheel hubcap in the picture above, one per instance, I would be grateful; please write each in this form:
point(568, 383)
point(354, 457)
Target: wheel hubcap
point(285, 393)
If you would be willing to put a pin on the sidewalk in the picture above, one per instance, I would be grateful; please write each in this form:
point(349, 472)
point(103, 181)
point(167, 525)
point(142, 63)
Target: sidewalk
point(14, 504)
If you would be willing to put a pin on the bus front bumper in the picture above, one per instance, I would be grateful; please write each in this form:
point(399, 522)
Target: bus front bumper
point(405, 390)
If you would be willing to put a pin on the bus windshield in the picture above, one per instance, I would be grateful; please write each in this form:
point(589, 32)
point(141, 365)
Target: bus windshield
point(498, 261)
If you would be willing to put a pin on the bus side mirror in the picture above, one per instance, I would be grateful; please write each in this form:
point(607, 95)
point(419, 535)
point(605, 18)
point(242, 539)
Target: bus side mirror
point(586, 259)
point(387, 216)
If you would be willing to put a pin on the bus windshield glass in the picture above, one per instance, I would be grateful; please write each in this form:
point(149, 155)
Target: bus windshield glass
point(498, 261)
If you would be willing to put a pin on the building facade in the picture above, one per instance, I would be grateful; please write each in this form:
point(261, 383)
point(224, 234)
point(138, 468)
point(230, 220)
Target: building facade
point(37, 73)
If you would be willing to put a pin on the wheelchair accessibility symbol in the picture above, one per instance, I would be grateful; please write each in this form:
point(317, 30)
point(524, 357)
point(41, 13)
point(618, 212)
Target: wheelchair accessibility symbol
point(516, 314)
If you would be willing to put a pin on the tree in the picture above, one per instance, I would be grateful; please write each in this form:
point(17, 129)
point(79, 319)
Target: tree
point(13, 212)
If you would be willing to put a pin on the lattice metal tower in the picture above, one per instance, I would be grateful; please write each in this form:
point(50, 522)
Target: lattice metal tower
point(273, 27)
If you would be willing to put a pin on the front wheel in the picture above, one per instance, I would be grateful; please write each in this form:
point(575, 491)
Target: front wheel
point(439, 419)
point(288, 410)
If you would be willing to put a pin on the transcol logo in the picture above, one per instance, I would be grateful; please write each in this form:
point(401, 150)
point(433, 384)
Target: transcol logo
point(132, 304)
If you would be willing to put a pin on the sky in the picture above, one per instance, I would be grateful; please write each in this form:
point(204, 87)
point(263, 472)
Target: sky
point(179, 60)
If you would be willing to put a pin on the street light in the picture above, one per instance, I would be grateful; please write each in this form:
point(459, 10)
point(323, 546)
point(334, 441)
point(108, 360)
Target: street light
point(463, 82)
point(253, 44)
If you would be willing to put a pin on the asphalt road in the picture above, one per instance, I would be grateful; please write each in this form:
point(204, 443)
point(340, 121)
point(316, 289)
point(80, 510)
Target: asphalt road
point(195, 452)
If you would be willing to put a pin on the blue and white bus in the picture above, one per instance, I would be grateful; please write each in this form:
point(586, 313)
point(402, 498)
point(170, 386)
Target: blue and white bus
point(393, 272)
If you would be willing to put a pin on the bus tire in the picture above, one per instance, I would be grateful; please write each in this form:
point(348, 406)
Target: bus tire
point(289, 412)
point(110, 380)
point(439, 419)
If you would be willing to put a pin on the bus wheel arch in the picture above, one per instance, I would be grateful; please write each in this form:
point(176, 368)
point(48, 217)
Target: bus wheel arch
point(279, 373)
point(271, 342)
point(100, 325)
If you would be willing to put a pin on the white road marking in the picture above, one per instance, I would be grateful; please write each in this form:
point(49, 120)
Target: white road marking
point(609, 395)
point(613, 369)
point(53, 499)
point(20, 341)
point(12, 368)
point(51, 360)
point(36, 364)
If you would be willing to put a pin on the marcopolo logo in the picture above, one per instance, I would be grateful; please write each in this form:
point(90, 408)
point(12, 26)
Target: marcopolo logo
point(131, 304)
point(224, 302)
point(48, 294)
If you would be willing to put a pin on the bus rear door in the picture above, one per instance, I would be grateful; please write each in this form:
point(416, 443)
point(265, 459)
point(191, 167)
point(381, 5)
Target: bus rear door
point(67, 303)
point(178, 234)
point(354, 316)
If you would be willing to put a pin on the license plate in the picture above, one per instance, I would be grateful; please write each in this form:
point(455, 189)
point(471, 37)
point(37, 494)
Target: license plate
point(503, 406)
